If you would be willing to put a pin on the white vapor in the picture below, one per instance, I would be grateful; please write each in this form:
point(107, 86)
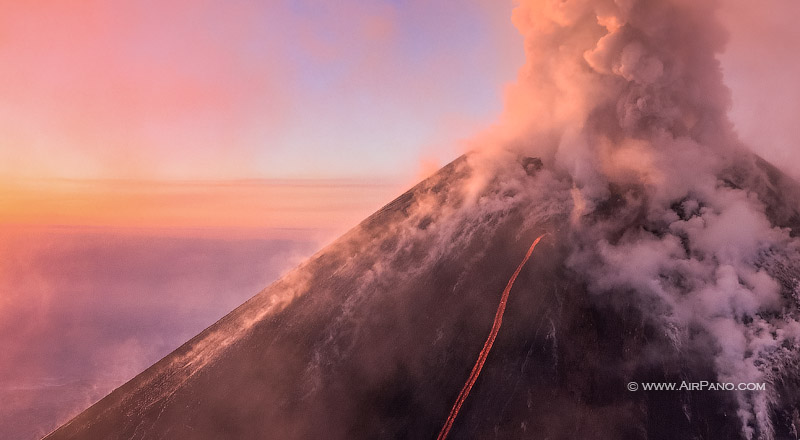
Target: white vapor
point(625, 100)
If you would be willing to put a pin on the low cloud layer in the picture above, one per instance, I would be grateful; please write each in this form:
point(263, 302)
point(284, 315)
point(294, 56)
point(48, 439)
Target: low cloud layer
point(82, 311)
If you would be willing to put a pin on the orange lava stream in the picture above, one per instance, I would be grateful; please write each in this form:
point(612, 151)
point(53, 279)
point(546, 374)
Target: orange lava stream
point(487, 346)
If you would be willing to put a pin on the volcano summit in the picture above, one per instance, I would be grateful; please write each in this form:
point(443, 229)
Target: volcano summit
point(375, 336)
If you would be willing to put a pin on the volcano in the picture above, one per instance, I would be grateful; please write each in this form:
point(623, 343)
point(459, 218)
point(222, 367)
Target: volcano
point(612, 264)
point(375, 336)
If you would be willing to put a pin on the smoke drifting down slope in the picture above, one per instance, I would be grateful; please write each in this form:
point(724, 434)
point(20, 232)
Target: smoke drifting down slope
point(629, 102)
point(674, 257)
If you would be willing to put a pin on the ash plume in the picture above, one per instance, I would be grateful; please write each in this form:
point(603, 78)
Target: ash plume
point(625, 101)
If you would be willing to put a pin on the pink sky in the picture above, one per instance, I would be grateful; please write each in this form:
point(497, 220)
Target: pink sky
point(379, 91)
point(148, 149)
point(762, 68)
point(214, 90)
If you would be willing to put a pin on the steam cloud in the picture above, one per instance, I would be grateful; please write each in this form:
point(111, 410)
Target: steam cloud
point(625, 100)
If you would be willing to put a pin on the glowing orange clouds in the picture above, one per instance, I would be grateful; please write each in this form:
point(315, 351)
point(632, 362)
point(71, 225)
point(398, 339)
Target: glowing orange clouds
point(239, 207)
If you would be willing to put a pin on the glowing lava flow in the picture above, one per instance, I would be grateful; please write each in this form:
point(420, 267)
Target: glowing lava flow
point(487, 346)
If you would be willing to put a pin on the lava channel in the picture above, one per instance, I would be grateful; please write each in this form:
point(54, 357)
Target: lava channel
point(487, 346)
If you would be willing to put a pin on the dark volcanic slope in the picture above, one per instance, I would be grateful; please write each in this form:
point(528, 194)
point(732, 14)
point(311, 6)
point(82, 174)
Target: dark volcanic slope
point(387, 322)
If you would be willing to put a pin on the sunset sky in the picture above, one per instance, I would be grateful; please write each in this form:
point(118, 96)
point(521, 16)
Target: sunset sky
point(212, 91)
point(166, 159)
point(221, 90)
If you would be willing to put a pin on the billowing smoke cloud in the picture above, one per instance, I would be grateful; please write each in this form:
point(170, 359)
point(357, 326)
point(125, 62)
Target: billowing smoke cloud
point(625, 99)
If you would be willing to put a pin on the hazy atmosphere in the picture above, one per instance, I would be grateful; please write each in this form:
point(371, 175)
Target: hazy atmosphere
point(162, 162)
